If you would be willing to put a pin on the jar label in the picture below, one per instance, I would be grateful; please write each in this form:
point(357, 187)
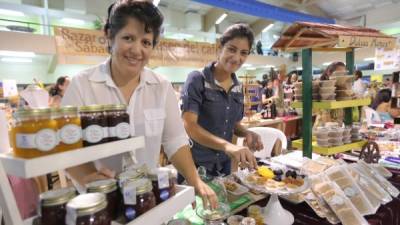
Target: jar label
point(70, 134)
point(25, 140)
point(122, 130)
point(164, 195)
point(105, 132)
point(130, 195)
point(163, 179)
point(93, 133)
point(130, 213)
point(46, 140)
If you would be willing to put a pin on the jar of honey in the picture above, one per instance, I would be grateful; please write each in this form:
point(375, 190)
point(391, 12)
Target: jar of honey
point(69, 127)
point(94, 125)
point(34, 133)
point(118, 122)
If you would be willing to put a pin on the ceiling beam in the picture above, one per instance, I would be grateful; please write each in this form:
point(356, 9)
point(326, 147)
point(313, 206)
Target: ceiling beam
point(210, 17)
point(259, 25)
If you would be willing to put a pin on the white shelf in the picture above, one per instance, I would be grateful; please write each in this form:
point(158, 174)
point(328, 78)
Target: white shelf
point(28, 168)
point(165, 211)
point(162, 212)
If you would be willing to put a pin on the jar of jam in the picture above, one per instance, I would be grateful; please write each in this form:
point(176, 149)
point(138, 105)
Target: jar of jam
point(88, 209)
point(94, 125)
point(53, 203)
point(34, 133)
point(110, 189)
point(118, 122)
point(163, 183)
point(69, 127)
point(138, 198)
point(134, 173)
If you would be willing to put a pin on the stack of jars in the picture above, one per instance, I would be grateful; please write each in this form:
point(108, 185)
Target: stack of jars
point(39, 132)
point(136, 191)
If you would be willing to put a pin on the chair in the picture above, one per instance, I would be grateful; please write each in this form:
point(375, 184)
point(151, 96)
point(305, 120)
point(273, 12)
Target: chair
point(268, 137)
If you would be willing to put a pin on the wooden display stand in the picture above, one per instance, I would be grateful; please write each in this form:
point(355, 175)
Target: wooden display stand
point(249, 84)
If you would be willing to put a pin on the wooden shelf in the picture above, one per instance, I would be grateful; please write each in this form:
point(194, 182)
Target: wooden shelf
point(28, 168)
point(330, 150)
point(335, 104)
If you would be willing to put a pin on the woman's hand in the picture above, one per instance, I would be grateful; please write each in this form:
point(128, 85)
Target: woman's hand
point(210, 199)
point(242, 155)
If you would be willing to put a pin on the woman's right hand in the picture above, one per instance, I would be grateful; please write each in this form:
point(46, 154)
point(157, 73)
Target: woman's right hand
point(242, 155)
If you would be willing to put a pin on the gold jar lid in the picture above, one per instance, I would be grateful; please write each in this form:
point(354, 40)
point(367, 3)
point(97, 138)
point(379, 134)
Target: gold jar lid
point(69, 108)
point(57, 197)
point(142, 185)
point(115, 107)
point(102, 186)
point(91, 108)
point(87, 204)
point(129, 175)
point(32, 112)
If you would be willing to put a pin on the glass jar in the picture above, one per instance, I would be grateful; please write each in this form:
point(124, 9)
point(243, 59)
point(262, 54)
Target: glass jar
point(138, 198)
point(88, 209)
point(110, 189)
point(53, 203)
point(69, 127)
point(130, 175)
point(94, 125)
point(118, 122)
point(34, 133)
point(163, 183)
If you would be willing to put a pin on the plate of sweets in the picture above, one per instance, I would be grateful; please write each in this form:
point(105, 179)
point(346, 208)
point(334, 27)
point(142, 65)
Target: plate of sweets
point(281, 181)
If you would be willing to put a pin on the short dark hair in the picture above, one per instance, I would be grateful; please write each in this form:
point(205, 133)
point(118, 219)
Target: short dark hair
point(55, 89)
point(384, 95)
point(145, 12)
point(358, 74)
point(239, 30)
point(330, 69)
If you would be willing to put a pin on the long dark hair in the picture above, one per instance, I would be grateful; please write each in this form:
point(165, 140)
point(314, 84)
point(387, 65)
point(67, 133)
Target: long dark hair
point(239, 30)
point(330, 69)
point(55, 89)
point(383, 95)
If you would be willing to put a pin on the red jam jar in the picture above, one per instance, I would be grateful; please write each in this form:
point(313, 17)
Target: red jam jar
point(118, 122)
point(163, 182)
point(138, 198)
point(110, 189)
point(53, 205)
point(88, 209)
point(94, 125)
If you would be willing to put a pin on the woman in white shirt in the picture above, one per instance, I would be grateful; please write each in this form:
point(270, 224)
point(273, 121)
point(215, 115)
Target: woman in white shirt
point(132, 30)
point(359, 87)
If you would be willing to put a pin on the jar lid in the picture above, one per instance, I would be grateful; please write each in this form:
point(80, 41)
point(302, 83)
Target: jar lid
point(179, 222)
point(131, 175)
point(115, 107)
point(87, 204)
point(69, 108)
point(153, 174)
point(32, 112)
point(142, 185)
point(91, 108)
point(102, 186)
point(57, 197)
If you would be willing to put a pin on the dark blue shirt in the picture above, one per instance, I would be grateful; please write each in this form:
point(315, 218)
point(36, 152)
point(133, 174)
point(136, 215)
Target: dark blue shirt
point(218, 111)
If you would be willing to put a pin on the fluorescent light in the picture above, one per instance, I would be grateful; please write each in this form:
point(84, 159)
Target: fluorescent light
point(370, 59)
point(251, 68)
point(72, 21)
point(221, 18)
point(247, 65)
point(268, 27)
point(17, 54)
point(268, 66)
point(16, 60)
point(299, 68)
point(326, 63)
point(11, 12)
point(156, 2)
point(275, 36)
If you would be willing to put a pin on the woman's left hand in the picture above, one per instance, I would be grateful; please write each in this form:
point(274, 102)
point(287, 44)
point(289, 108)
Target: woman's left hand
point(253, 141)
point(210, 199)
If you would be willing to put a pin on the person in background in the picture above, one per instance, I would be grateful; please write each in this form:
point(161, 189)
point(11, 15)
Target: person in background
point(212, 106)
point(132, 30)
point(359, 87)
point(268, 92)
point(259, 48)
point(333, 67)
point(57, 91)
point(381, 105)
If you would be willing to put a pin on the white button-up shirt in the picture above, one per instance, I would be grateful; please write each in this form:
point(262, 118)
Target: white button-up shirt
point(153, 109)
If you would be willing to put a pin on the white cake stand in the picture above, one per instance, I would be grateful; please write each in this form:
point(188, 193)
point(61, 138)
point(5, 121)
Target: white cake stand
point(275, 214)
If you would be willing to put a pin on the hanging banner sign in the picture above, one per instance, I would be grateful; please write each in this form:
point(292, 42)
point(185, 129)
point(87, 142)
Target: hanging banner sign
point(366, 42)
point(81, 42)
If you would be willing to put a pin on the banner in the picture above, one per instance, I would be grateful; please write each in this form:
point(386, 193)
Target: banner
point(388, 59)
point(81, 42)
point(366, 42)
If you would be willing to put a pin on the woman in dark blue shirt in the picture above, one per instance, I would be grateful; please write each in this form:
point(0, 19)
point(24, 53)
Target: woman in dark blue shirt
point(212, 106)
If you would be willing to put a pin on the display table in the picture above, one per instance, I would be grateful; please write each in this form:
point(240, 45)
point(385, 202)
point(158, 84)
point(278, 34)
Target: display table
point(275, 123)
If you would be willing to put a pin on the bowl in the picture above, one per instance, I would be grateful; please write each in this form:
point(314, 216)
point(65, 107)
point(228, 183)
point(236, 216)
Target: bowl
point(328, 96)
point(344, 93)
point(327, 90)
point(335, 132)
point(321, 132)
point(323, 142)
point(344, 82)
point(327, 83)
